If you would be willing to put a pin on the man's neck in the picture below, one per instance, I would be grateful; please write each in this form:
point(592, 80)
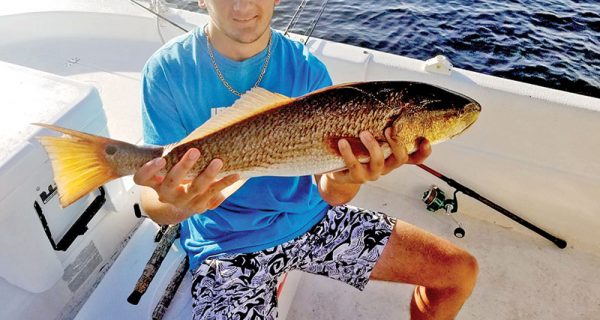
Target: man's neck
point(233, 49)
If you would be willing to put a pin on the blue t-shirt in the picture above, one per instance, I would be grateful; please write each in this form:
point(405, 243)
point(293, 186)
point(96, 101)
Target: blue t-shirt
point(181, 89)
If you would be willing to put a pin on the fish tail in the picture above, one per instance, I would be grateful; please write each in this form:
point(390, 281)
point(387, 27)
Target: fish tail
point(83, 162)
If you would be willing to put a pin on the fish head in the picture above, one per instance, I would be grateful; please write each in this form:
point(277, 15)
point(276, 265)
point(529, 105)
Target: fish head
point(432, 112)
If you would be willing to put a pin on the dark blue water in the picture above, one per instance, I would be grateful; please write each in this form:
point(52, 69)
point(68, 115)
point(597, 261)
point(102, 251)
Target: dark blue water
point(555, 44)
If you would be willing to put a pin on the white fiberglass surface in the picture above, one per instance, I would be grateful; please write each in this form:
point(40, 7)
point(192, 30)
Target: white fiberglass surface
point(531, 152)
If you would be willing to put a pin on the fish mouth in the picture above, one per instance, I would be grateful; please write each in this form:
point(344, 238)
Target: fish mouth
point(470, 116)
point(473, 106)
point(472, 111)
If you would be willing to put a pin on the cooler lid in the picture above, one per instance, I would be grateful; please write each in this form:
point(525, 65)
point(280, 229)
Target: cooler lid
point(30, 96)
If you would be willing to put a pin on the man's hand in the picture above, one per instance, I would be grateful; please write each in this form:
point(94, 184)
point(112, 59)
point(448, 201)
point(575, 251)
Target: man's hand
point(340, 187)
point(358, 173)
point(187, 197)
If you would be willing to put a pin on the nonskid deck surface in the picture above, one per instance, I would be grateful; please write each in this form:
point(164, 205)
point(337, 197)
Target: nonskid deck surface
point(521, 276)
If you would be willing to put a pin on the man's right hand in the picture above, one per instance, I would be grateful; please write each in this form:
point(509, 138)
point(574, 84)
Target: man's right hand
point(173, 198)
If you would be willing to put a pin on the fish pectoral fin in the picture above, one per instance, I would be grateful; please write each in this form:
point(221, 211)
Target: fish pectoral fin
point(358, 148)
point(251, 103)
point(228, 191)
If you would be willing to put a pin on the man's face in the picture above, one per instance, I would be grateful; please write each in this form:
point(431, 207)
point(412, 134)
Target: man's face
point(243, 21)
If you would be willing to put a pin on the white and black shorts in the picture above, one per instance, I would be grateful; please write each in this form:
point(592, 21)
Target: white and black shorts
point(344, 246)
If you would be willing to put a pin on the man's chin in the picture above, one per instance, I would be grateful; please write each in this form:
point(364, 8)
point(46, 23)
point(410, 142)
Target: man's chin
point(248, 39)
point(249, 36)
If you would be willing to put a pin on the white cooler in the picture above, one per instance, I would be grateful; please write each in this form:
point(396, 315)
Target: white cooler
point(51, 258)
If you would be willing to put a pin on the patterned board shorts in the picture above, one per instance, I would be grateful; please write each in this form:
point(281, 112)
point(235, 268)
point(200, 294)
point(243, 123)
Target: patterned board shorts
point(344, 246)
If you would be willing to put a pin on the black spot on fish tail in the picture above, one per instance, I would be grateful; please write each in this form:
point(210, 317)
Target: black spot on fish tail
point(110, 149)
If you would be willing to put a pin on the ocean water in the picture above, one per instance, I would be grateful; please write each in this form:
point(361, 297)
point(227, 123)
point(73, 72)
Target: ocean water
point(551, 43)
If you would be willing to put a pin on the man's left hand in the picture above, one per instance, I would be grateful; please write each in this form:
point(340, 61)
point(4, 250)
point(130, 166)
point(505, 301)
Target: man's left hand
point(359, 173)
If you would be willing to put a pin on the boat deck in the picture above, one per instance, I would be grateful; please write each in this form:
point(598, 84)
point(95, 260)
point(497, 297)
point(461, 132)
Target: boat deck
point(522, 276)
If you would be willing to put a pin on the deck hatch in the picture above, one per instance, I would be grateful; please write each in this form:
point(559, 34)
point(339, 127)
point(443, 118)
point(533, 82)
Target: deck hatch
point(78, 228)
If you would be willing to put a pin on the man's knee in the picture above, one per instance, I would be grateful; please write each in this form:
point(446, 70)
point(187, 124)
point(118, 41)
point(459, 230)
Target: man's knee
point(463, 269)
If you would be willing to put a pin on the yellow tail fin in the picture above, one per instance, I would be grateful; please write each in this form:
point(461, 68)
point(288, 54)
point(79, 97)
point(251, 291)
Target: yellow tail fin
point(79, 162)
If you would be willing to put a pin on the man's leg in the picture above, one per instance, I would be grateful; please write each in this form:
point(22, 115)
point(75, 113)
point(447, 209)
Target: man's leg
point(444, 274)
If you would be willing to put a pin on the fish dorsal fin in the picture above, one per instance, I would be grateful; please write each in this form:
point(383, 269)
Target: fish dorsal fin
point(250, 103)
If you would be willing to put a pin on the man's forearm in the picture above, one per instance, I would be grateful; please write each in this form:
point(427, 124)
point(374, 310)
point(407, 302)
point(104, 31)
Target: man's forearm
point(336, 193)
point(159, 212)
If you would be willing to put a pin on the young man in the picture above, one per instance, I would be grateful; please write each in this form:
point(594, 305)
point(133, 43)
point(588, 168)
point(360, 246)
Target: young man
point(238, 247)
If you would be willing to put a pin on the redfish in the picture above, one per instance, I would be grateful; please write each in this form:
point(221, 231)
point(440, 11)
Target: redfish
point(268, 134)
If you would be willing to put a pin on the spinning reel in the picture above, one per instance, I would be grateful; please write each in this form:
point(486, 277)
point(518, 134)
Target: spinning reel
point(435, 199)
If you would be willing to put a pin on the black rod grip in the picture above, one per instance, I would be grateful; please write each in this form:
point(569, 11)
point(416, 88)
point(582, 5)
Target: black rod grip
point(159, 254)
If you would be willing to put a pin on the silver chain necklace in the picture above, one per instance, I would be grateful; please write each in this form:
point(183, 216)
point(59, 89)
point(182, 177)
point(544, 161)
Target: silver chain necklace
point(218, 71)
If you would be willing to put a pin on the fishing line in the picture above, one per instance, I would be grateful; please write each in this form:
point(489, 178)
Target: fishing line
point(159, 15)
point(368, 94)
point(158, 6)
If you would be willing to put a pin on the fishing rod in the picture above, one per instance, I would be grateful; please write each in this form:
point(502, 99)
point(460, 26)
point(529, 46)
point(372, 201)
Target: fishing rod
point(164, 303)
point(435, 202)
point(295, 16)
point(315, 21)
point(154, 263)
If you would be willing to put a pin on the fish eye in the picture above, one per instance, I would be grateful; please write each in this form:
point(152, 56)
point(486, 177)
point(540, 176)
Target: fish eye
point(110, 150)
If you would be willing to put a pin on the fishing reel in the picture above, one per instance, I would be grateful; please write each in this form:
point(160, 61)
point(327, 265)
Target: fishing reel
point(435, 199)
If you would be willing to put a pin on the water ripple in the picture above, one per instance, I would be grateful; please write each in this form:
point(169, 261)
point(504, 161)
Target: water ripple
point(551, 43)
